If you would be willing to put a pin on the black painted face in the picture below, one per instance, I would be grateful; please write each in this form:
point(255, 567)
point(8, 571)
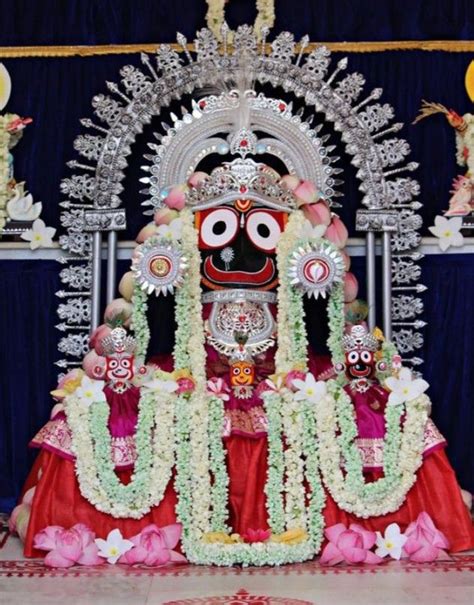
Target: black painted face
point(238, 244)
point(360, 364)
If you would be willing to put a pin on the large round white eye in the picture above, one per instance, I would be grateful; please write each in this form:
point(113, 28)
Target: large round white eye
point(219, 228)
point(126, 363)
point(353, 357)
point(263, 230)
point(366, 356)
point(113, 363)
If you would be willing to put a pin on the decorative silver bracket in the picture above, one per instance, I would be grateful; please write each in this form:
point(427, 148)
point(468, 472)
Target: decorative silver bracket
point(98, 221)
point(372, 222)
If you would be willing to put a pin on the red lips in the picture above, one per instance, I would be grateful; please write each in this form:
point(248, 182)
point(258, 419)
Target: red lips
point(218, 276)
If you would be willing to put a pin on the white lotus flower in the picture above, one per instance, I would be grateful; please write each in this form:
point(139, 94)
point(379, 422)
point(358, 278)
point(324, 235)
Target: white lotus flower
point(313, 232)
point(114, 547)
point(405, 388)
point(39, 236)
point(90, 391)
point(448, 231)
point(172, 231)
point(161, 386)
point(277, 383)
point(391, 543)
point(309, 389)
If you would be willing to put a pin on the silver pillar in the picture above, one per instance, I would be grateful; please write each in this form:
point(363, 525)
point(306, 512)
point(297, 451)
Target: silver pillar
point(370, 270)
point(111, 265)
point(387, 284)
point(96, 271)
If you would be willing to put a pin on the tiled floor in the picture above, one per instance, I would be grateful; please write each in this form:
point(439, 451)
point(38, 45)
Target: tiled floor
point(298, 585)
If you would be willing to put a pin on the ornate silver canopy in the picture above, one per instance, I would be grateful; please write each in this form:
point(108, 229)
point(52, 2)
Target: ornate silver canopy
point(94, 189)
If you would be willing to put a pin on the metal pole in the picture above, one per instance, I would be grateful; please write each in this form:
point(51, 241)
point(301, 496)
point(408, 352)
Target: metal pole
point(370, 268)
point(111, 265)
point(387, 284)
point(96, 271)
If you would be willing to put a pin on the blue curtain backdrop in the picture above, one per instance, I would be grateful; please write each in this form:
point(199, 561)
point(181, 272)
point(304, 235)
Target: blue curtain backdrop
point(56, 92)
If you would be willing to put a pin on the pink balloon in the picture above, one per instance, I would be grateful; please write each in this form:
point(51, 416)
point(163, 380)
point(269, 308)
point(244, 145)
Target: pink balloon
point(337, 232)
point(318, 214)
point(351, 287)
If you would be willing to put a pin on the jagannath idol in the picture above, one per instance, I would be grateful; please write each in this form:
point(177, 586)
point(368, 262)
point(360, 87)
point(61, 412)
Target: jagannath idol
point(243, 429)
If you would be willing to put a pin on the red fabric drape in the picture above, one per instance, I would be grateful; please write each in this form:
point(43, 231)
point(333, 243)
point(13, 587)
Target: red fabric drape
point(58, 501)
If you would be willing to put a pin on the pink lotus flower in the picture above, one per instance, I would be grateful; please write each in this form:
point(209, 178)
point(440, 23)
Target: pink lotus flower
point(290, 181)
point(154, 546)
point(351, 287)
point(94, 365)
point(185, 385)
point(425, 542)
point(252, 536)
point(337, 232)
point(68, 546)
point(306, 193)
point(118, 310)
point(165, 215)
point(146, 232)
point(95, 340)
point(176, 197)
point(349, 545)
point(294, 375)
point(318, 213)
point(218, 387)
point(20, 517)
point(196, 179)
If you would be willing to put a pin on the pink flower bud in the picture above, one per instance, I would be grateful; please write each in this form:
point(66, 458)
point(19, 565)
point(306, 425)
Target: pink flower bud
point(351, 287)
point(306, 193)
point(337, 232)
point(165, 215)
point(118, 310)
point(317, 214)
point(197, 178)
point(290, 181)
point(126, 285)
point(95, 339)
point(94, 365)
point(347, 260)
point(177, 197)
point(146, 232)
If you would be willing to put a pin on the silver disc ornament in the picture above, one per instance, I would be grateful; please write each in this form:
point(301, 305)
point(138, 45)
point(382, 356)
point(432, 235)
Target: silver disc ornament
point(159, 266)
point(315, 267)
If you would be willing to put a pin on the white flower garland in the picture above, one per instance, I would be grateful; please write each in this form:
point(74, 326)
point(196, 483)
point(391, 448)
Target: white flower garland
point(403, 453)
point(155, 455)
point(215, 16)
point(466, 139)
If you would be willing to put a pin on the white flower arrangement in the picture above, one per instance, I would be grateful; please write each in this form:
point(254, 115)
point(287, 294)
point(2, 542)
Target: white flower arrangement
point(91, 444)
point(403, 449)
point(215, 17)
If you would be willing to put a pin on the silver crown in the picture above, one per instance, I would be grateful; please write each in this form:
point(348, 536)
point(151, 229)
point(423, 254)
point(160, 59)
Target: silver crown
point(242, 179)
point(359, 338)
point(118, 342)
